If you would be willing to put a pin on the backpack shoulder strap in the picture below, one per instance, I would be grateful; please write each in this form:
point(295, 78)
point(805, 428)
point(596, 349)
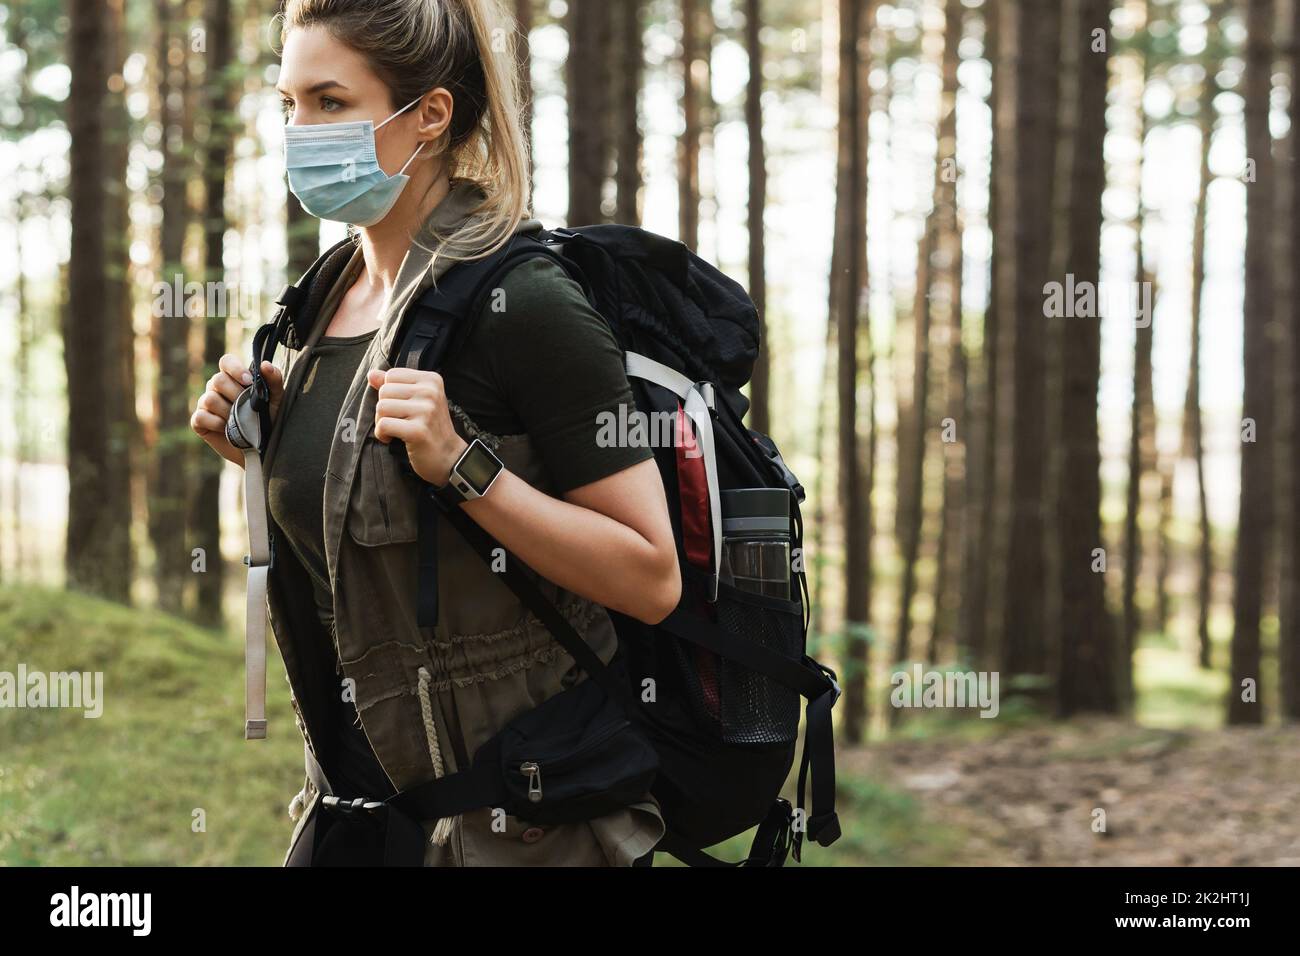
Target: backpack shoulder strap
point(432, 328)
point(440, 319)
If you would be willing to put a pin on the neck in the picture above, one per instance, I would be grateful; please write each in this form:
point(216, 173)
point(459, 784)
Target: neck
point(384, 245)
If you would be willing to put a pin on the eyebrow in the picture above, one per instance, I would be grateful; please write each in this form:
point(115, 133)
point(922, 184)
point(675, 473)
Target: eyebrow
point(316, 88)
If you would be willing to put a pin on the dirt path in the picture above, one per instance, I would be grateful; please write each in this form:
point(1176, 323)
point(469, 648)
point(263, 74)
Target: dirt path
point(1224, 797)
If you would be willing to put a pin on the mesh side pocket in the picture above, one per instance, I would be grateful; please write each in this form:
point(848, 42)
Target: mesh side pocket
point(698, 671)
point(757, 709)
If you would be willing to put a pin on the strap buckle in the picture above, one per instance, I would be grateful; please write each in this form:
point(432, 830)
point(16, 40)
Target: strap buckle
point(707, 391)
point(356, 805)
point(830, 676)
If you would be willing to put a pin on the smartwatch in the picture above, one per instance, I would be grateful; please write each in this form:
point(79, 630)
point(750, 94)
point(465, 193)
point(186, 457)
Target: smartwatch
point(472, 475)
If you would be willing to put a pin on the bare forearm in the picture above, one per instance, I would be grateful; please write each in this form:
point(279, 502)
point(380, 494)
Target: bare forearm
point(579, 549)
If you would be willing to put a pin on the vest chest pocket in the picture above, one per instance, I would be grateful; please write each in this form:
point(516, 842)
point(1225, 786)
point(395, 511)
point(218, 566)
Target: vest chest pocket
point(384, 508)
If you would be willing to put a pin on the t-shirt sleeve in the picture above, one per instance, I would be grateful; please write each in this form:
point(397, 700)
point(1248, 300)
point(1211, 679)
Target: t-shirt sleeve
point(561, 370)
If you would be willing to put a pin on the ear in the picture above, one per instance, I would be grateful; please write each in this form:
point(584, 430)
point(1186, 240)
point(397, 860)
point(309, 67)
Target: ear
point(435, 114)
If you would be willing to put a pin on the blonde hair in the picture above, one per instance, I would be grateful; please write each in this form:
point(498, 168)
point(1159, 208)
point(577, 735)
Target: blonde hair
point(468, 47)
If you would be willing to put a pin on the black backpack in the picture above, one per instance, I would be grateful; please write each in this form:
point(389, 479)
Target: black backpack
point(730, 667)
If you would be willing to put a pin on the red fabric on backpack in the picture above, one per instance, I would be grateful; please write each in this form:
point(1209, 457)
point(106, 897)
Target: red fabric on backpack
point(697, 537)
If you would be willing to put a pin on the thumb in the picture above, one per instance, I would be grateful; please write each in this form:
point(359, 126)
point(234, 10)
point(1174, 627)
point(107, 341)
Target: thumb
point(274, 379)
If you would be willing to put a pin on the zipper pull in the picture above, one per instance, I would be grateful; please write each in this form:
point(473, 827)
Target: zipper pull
point(534, 772)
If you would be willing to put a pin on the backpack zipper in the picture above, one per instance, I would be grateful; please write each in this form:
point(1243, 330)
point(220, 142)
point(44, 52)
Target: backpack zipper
point(534, 772)
point(533, 768)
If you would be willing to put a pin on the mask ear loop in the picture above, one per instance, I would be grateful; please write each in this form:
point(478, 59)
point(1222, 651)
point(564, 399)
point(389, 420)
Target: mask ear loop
point(393, 117)
point(399, 112)
point(411, 160)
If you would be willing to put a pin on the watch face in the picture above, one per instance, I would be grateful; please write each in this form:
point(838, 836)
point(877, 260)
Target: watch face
point(479, 467)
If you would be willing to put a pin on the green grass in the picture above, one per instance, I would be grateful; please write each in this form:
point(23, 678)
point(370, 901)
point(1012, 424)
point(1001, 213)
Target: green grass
point(124, 788)
point(1173, 692)
point(884, 827)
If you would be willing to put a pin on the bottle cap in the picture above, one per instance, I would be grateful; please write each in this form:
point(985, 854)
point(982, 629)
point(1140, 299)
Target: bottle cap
point(747, 510)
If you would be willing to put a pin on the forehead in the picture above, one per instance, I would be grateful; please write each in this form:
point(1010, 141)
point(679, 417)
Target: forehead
point(313, 56)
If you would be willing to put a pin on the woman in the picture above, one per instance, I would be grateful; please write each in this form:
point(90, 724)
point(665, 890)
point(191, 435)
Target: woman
point(384, 704)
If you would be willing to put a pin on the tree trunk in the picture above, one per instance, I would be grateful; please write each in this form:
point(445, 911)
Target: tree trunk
point(628, 173)
point(98, 555)
point(1193, 431)
point(1037, 46)
point(587, 75)
point(1255, 514)
point(220, 109)
point(849, 284)
point(688, 148)
point(978, 560)
point(1164, 531)
point(169, 474)
point(760, 383)
point(952, 445)
point(1142, 423)
point(912, 452)
point(1289, 636)
point(1085, 677)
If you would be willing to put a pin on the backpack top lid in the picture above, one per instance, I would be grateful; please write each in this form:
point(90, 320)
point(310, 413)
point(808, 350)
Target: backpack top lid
point(665, 302)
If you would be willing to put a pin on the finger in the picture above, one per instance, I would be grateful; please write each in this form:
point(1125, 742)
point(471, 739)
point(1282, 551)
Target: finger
point(411, 376)
point(225, 386)
point(205, 423)
point(234, 367)
point(403, 408)
point(216, 404)
point(386, 429)
point(399, 390)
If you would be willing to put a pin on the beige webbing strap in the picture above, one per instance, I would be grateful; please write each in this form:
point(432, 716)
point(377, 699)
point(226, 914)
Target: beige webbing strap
point(699, 405)
point(259, 561)
point(244, 430)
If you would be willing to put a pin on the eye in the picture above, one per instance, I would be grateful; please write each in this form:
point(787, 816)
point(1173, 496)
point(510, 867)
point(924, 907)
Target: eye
point(330, 105)
point(286, 107)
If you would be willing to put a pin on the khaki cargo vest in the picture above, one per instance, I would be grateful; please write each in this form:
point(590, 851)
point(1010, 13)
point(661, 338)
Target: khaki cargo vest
point(429, 697)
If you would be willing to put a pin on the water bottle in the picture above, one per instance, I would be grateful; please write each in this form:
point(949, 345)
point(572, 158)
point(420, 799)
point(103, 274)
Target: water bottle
point(756, 540)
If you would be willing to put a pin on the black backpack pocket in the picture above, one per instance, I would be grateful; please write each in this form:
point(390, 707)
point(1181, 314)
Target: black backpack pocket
point(737, 704)
point(574, 757)
point(725, 732)
point(755, 708)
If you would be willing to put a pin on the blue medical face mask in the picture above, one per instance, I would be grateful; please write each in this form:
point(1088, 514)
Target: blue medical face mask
point(334, 172)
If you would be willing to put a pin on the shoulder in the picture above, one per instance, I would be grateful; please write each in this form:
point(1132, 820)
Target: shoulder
point(538, 305)
point(535, 287)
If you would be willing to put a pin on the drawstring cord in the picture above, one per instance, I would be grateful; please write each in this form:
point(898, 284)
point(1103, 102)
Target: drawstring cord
point(441, 830)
